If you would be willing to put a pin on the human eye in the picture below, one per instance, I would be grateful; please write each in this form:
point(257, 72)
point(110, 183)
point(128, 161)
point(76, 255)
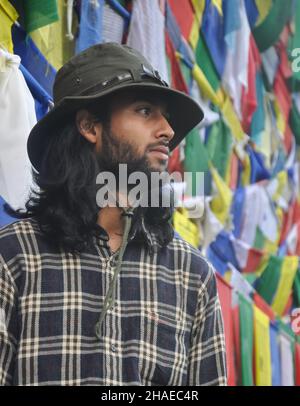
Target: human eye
point(145, 110)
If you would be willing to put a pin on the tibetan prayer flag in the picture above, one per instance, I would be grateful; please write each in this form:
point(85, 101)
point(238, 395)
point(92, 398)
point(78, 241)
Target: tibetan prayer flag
point(196, 161)
point(8, 15)
point(221, 202)
point(262, 345)
point(212, 29)
point(224, 290)
point(184, 14)
point(246, 340)
point(199, 6)
point(219, 145)
point(39, 13)
point(186, 228)
point(267, 284)
point(268, 32)
point(205, 62)
point(252, 12)
point(275, 355)
point(287, 360)
point(263, 306)
point(224, 248)
point(263, 7)
point(287, 275)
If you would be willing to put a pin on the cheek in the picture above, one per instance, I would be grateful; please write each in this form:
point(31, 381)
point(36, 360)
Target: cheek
point(131, 132)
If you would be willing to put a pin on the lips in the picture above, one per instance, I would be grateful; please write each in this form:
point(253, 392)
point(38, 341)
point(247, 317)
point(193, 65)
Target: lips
point(162, 149)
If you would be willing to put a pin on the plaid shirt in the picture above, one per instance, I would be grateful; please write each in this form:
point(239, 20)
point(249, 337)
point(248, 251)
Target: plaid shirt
point(165, 328)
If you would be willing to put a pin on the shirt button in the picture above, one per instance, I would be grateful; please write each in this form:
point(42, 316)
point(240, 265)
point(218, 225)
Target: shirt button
point(113, 348)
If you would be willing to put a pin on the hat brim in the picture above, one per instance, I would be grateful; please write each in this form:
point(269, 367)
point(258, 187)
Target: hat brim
point(185, 113)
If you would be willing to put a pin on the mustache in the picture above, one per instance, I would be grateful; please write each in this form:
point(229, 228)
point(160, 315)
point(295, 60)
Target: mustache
point(160, 144)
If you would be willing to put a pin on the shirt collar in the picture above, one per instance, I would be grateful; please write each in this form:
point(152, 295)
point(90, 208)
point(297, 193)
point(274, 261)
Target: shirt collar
point(149, 237)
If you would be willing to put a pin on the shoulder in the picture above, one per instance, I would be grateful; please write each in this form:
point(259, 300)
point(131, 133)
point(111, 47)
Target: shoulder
point(16, 238)
point(192, 260)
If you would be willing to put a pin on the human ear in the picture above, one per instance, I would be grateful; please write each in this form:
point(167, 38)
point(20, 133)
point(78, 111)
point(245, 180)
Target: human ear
point(87, 127)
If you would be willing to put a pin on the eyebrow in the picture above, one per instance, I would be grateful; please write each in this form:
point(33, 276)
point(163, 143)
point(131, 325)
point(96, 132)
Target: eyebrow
point(152, 100)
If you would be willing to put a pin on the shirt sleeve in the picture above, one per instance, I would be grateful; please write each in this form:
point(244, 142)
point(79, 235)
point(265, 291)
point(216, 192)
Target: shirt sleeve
point(8, 324)
point(207, 357)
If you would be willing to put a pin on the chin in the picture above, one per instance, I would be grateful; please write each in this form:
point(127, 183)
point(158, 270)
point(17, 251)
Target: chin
point(159, 167)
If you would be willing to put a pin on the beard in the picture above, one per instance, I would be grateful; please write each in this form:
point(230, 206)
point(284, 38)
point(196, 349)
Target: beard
point(115, 151)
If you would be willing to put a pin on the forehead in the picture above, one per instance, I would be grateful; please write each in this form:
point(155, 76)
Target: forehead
point(129, 97)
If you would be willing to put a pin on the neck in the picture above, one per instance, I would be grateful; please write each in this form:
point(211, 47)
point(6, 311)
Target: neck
point(110, 218)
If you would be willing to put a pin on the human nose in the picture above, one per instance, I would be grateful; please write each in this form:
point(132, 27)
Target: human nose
point(165, 130)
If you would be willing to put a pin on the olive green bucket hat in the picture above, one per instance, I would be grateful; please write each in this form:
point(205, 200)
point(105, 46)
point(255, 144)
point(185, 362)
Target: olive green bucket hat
point(97, 72)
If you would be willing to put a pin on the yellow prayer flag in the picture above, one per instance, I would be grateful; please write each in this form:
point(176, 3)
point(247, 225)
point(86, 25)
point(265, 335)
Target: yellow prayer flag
point(194, 34)
point(263, 7)
point(218, 5)
point(287, 276)
point(228, 169)
point(265, 146)
point(220, 204)
point(270, 246)
point(281, 123)
point(262, 357)
point(282, 179)
point(231, 118)
point(185, 227)
point(8, 15)
point(198, 6)
point(52, 41)
point(246, 174)
point(205, 87)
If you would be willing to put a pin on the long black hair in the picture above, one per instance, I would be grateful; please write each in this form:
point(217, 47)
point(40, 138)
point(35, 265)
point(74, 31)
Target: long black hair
point(65, 206)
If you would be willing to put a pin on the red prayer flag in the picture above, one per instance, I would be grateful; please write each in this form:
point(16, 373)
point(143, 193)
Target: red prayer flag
point(288, 137)
point(224, 290)
point(177, 80)
point(249, 99)
point(254, 258)
point(175, 165)
point(184, 14)
point(283, 95)
point(236, 340)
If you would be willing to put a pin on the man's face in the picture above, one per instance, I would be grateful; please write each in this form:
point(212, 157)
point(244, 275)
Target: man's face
point(138, 134)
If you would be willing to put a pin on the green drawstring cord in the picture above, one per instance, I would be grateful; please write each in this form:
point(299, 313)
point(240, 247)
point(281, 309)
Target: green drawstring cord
point(111, 293)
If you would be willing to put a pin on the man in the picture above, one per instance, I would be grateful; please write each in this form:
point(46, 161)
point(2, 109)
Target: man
point(95, 294)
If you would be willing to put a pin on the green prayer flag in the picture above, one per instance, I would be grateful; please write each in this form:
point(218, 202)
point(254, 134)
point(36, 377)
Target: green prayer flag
point(296, 289)
point(246, 337)
point(205, 62)
point(196, 160)
point(268, 282)
point(219, 145)
point(260, 239)
point(268, 32)
point(39, 13)
point(294, 121)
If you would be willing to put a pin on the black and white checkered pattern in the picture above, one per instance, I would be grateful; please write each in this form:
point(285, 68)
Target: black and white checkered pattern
point(165, 328)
